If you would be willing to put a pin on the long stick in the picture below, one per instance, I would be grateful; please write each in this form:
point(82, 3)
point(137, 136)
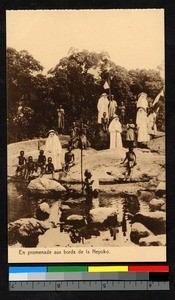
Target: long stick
point(109, 82)
point(82, 166)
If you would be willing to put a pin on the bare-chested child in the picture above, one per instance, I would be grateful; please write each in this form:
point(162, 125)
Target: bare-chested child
point(21, 165)
point(41, 163)
point(69, 159)
point(104, 122)
point(131, 162)
point(30, 167)
point(91, 184)
point(50, 167)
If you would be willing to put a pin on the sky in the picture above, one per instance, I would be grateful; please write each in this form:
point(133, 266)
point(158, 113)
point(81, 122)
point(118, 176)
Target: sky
point(133, 38)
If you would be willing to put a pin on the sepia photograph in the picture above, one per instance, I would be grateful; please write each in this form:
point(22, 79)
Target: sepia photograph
point(86, 134)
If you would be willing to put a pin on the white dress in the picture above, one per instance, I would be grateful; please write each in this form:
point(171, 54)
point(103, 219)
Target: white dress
point(112, 108)
point(142, 101)
point(142, 126)
point(115, 130)
point(53, 149)
point(102, 107)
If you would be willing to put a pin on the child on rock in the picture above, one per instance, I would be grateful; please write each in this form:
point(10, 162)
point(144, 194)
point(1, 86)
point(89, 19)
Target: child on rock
point(21, 165)
point(131, 162)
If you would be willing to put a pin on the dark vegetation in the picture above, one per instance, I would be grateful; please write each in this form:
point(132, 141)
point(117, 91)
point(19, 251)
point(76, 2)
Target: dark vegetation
point(76, 82)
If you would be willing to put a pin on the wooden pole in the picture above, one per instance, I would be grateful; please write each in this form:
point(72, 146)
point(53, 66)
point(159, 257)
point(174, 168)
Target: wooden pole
point(82, 166)
point(109, 82)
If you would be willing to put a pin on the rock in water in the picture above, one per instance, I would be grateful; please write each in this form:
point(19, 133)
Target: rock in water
point(65, 208)
point(138, 231)
point(26, 231)
point(156, 204)
point(43, 211)
point(153, 240)
point(103, 216)
point(154, 221)
point(45, 207)
point(45, 186)
point(75, 220)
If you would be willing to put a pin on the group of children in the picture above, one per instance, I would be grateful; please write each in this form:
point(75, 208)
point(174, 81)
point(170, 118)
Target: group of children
point(27, 167)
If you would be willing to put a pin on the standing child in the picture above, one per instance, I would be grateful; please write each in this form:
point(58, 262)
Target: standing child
point(104, 122)
point(131, 162)
point(130, 134)
point(121, 112)
point(21, 164)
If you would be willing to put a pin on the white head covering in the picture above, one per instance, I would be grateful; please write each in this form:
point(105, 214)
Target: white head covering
point(142, 101)
point(115, 125)
point(52, 131)
point(53, 148)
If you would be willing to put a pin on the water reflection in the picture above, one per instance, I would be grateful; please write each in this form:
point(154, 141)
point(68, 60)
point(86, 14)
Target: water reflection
point(71, 216)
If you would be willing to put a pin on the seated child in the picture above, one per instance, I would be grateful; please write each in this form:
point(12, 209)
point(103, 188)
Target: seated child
point(30, 167)
point(69, 159)
point(21, 164)
point(41, 161)
point(49, 166)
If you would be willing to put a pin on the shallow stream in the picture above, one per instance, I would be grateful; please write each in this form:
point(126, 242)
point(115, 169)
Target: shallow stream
point(77, 232)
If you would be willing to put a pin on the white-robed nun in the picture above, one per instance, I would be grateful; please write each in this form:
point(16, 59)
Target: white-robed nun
point(142, 101)
point(142, 119)
point(142, 126)
point(53, 149)
point(115, 129)
point(102, 107)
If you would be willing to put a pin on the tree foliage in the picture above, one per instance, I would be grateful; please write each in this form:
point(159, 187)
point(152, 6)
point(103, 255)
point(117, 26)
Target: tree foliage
point(76, 82)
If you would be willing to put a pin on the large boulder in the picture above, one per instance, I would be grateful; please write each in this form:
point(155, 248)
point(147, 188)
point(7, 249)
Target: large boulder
point(106, 216)
point(153, 240)
point(45, 186)
point(156, 204)
point(138, 231)
point(26, 231)
point(154, 221)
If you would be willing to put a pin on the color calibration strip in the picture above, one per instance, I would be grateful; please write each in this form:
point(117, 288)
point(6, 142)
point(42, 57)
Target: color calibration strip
point(89, 278)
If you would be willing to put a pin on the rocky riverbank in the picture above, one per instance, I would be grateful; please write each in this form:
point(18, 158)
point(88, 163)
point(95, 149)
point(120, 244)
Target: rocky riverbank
point(142, 202)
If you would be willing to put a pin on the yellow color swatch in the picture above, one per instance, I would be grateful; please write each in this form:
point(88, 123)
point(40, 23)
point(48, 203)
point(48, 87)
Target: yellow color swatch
point(108, 269)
